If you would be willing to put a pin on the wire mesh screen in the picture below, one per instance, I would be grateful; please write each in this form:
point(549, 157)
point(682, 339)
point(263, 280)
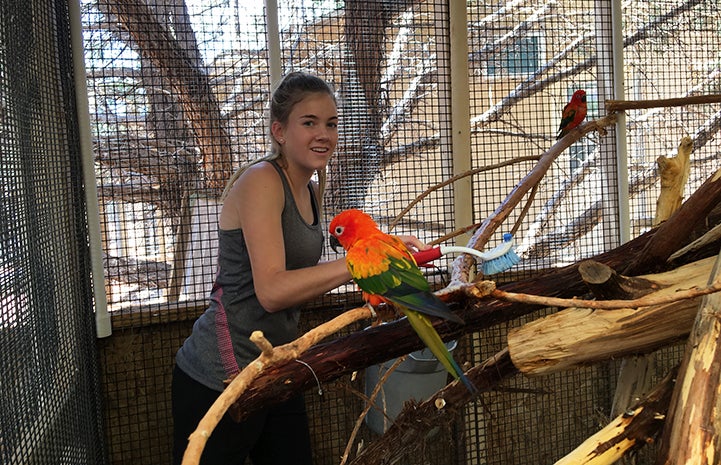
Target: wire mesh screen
point(50, 409)
point(680, 62)
point(179, 92)
point(524, 66)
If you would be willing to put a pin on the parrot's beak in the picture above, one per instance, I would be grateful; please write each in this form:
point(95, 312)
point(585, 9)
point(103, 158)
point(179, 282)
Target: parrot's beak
point(334, 244)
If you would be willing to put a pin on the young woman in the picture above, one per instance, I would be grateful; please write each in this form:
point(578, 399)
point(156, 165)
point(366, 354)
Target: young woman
point(270, 243)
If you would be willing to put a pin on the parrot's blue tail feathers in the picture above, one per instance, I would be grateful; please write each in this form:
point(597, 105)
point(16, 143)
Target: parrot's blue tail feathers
point(458, 374)
point(501, 258)
point(469, 385)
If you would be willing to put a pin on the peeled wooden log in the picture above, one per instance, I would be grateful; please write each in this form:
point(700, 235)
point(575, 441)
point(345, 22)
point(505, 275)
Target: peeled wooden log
point(632, 429)
point(578, 336)
point(692, 434)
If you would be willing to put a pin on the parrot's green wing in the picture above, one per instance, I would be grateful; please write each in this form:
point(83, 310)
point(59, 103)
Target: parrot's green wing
point(383, 266)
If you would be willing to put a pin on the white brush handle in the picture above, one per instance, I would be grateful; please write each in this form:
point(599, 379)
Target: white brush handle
point(496, 252)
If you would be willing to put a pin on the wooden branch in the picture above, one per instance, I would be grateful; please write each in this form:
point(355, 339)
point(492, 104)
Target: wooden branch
point(605, 283)
point(676, 231)
point(609, 304)
point(674, 174)
point(623, 105)
point(692, 434)
point(269, 357)
point(630, 430)
point(581, 335)
point(455, 178)
point(416, 420)
point(463, 263)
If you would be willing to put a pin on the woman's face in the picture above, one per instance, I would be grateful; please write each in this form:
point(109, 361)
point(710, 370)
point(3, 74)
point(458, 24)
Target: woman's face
point(310, 135)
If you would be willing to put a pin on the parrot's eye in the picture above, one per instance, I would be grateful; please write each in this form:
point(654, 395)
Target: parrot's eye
point(338, 230)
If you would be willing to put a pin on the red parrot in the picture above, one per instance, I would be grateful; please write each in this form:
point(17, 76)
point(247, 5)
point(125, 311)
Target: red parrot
point(573, 113)
point(384, 269)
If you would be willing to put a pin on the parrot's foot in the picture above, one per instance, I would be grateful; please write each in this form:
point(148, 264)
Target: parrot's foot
point(383, 313)
point(374, 315)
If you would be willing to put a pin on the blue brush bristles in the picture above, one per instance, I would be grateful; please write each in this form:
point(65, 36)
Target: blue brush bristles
point(503, 257)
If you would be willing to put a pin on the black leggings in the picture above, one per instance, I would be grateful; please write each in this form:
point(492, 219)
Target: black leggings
point(274, 436)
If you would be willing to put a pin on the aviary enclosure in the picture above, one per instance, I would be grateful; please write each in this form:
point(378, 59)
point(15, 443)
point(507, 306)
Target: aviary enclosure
point(600, 345)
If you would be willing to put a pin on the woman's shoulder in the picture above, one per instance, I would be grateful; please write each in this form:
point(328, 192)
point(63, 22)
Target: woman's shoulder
point(256, 175)
point(259, 188)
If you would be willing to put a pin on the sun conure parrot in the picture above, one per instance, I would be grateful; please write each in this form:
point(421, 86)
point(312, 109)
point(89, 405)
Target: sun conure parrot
point(384, 269)
point(573, 113)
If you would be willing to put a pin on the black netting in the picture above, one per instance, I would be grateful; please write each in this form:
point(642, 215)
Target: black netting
point(50, 409)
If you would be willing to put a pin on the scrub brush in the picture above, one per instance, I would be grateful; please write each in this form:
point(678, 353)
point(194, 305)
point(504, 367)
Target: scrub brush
point(497, 260)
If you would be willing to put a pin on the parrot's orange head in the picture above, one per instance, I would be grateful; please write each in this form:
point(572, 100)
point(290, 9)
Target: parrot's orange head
point(349, 226)
point(579, 96)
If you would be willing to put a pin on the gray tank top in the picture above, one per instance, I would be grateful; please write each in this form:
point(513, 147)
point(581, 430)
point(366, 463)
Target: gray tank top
point(219, 345)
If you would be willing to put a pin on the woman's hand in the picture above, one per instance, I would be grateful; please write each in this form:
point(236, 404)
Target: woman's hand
point(413, 243)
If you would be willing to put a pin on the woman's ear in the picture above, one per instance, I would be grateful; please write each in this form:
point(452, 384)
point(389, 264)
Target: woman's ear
point(276, 129)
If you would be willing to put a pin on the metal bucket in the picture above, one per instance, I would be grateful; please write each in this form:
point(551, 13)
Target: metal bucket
point(418, 377)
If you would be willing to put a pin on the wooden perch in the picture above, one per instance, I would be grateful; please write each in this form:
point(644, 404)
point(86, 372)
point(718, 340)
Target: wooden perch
point(674, 174)
point(269, 357)
point(628, 431)
point(692, 434)
point(623, 105)
point(578, 336)
point(463, 264)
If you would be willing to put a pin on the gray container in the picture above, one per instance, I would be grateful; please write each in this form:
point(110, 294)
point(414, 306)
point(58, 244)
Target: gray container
point(418, 377)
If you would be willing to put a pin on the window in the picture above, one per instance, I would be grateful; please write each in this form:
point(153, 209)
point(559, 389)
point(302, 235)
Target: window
point(519, 58)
